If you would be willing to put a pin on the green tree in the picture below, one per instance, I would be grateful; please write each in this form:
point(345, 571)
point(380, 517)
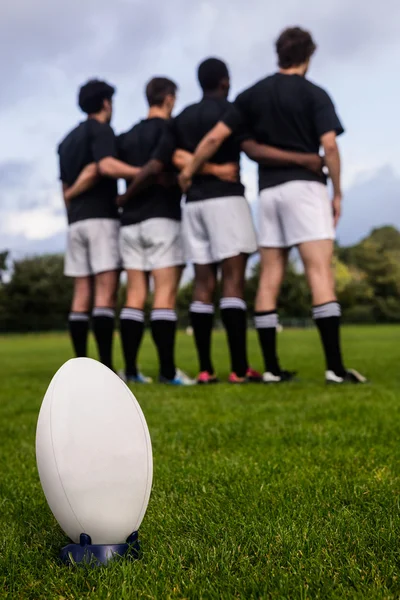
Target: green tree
point(38, 297)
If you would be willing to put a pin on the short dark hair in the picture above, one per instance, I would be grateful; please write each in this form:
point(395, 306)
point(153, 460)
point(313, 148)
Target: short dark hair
point(294, 47)
point(93, 94)
point(158, 89)
point(210, 74)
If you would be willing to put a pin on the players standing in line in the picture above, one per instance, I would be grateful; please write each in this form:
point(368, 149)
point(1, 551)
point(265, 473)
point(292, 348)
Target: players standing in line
point(92, 247)
point(150, 237)
point(288, 111)
point(217, 223)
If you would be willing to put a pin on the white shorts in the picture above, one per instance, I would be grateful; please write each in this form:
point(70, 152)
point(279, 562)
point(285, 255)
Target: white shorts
point(92, 247)
point(152, 244)
point(293, 213)
point(216, 229)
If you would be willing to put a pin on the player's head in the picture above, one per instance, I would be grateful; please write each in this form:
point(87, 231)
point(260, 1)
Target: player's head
point(95, 97)
point(161, 92)
point(295, 47)
point(213, 76)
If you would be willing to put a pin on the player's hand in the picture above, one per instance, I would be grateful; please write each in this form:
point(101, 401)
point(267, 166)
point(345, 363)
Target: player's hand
point(228, 172)
point(315, 163)
point(337, 208)
point(185, 180)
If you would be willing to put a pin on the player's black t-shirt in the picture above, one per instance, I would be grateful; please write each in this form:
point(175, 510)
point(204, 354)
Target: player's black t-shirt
point(89, 142)
point(190, 128)
point(150, 139)
point(288, 112)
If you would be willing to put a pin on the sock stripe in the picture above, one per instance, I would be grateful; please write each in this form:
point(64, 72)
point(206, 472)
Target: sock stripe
point(78, 317)
point(161, 314)
point(325, 311)
point(201, 308)
point(233, 303)
point(132, 314)
point(104, 312)
point(266, 321)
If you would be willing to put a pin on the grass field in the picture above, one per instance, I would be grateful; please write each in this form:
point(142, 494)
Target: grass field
point(285, 492)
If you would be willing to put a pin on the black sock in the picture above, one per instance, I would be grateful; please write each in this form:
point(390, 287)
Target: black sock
point(132, 329)
point(327, 319)
point(79, 328)
point(266, 324)
point(202, 319)
point(103, 329)
point(234, 318)
point(163, 329)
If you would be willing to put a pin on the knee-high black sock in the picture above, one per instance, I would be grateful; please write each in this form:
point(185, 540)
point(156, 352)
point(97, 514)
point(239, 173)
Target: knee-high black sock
point(132, 329)
point(79, 329)
point(234, 318)
point(163, 329)
point(266, 324)
point(327, 318)
point(202, 319)
point(103, 329)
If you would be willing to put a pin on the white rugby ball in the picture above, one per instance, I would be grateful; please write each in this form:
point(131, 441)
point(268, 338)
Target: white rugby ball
point(94, 453)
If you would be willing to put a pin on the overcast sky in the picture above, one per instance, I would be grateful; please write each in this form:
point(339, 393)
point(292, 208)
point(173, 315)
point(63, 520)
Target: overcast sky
point(49, 48)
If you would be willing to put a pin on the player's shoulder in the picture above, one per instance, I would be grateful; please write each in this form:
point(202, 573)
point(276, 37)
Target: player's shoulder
point(189, 110)
point(254, 90)
point(75, 134)
point(315, 90)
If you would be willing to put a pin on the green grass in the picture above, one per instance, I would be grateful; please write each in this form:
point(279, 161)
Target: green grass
point(284, 492)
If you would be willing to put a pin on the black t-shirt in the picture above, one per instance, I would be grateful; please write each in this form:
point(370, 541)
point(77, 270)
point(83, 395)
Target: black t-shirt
point(148, 140)
point(89, 142)
point(290, 113)
point(190, 128)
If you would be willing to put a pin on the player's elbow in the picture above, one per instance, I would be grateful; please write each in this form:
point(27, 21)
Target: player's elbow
point(329, 144)
point(106, 167)
point(252, 150)
point(213, 142)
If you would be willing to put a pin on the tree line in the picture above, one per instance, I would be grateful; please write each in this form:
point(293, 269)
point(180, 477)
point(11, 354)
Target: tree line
point(35, 295)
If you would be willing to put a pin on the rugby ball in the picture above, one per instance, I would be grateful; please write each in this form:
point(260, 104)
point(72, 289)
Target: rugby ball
point(94, 453)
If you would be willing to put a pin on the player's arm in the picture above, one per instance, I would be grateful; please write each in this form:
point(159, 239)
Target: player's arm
point(271, 156)
point(155, 167)
point(116, 169)
point(146, 176)
point(328, 127)
point(86, 180)
point(332, 161)
point(225, 172)
point(105, 152)
point(204, 151)
point(64, 191)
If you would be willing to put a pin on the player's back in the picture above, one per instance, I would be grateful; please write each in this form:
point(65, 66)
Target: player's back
point(76, 151)
point(191, 126)
point(150, 139)
point(291, 113)
point(281, 112)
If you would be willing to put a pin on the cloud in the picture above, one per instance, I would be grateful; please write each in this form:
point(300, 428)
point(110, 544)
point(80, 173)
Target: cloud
point(13, 172)
point(372, 201)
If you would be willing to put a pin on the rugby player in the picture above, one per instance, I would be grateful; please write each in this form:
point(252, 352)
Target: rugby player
point(150, 236)
point(217, 223)
point(92, 256)
point(287, 111)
